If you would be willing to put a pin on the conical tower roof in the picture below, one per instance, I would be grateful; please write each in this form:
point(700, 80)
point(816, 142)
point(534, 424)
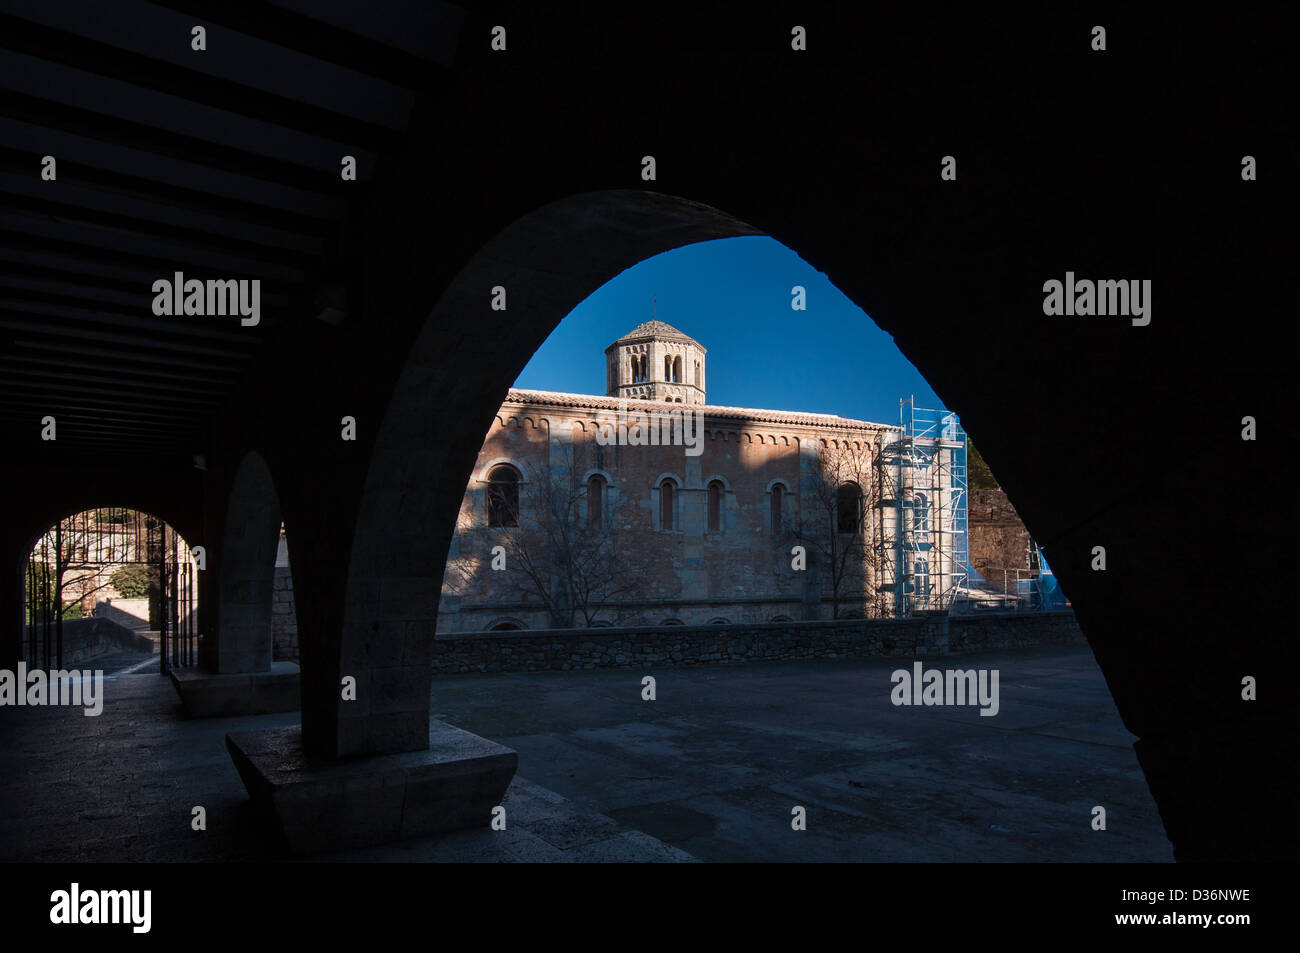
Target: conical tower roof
point(658, 330)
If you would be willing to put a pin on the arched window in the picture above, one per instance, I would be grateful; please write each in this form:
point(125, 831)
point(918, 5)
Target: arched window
point(667, 490)
point(777, 500)
point(848, 508)
point(668, 368)
point(922, 578)
point(506, 625)
point(503, 496)
point(677, 369)
point(921, 513)
point(715, 506)
point(596, 501)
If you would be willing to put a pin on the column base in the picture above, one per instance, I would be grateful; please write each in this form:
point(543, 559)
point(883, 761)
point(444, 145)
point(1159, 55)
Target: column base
point(320, 805)
point(206, 695)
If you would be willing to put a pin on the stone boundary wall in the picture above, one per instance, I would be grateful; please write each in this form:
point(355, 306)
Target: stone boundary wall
point(638, 646)
point(85, 639)
point(128, 613)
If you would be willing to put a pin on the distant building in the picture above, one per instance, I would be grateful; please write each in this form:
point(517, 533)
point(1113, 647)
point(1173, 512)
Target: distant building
point(649, 505)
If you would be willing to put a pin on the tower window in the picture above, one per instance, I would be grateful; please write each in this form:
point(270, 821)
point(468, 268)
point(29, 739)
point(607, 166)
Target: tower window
point(503, 497)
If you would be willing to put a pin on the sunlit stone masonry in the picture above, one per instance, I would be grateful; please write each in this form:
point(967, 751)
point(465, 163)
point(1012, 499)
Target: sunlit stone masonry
point(651, 506)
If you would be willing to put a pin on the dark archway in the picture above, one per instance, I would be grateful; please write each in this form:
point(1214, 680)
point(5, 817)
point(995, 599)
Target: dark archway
point(115, 563)
point(169, 494)
point(551, 258)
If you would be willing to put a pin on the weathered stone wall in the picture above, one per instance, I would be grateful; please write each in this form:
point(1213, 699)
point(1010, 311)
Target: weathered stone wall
point(87, 638)
point(284, 621)
point(128, 613)
point(998, 539)
point(636, 647)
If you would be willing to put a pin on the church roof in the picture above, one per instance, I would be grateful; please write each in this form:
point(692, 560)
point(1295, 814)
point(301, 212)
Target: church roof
point(591, 402)
point(655, 329)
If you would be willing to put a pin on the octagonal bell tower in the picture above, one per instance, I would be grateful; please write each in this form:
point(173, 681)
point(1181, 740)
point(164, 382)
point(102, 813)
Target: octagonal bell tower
point(655, 361)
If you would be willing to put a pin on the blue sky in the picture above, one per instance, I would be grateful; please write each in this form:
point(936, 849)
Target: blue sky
point(733, 296)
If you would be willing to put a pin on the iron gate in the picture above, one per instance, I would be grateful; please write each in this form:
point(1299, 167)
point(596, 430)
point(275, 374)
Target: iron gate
point(79, 556)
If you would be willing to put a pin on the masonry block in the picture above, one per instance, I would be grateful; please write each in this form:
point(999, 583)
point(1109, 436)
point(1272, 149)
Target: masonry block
point(319, 805)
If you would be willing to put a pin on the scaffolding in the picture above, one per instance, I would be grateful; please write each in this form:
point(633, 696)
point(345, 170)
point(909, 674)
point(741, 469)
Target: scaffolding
point(922, 537)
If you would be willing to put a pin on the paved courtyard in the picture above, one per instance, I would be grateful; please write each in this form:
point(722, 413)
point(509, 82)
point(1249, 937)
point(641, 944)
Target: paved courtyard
point(710, 770)
point(716, 764)
point(122, 786)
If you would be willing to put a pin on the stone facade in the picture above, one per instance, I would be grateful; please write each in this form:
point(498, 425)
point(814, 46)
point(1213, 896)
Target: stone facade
point(587, 510)
point(639, 647)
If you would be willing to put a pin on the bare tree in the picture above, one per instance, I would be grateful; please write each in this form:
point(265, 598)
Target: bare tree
point(573, 566)
point(836, 529)
point(74, 552)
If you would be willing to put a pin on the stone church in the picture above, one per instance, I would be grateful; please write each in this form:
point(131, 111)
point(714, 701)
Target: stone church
point(651, 506)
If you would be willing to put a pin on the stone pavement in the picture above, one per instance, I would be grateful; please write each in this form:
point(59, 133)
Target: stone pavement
point(718, 761)
point(121, 787)
point(709, 770)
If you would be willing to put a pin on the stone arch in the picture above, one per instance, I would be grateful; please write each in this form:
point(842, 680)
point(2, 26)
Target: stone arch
point(35, 526)
point(432, 430)
point(42, 538)
point(495, 462)
point(246, 564)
